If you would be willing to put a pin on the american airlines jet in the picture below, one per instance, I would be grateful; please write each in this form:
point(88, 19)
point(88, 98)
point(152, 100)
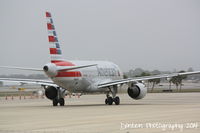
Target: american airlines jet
point(84, 76)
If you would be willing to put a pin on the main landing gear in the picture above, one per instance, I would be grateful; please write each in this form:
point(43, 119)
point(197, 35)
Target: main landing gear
point(60, 97)
point(109, 100)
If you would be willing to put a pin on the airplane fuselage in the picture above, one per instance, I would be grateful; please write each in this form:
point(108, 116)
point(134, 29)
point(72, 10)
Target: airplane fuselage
point(87, 79)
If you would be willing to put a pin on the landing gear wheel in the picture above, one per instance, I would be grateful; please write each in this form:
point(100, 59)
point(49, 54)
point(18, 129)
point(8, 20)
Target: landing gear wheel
point(110, 100)
point(55, 102)
point(116, 100)
point(62, 101)
point(106, 101)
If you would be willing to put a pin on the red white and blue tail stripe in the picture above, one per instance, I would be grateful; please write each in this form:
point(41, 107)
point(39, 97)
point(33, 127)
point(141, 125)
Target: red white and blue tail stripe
point(54, 46)
point(58, 66)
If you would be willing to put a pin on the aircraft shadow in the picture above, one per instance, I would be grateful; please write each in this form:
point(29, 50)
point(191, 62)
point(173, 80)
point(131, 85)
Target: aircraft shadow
point(103, 105)
point(95, 105)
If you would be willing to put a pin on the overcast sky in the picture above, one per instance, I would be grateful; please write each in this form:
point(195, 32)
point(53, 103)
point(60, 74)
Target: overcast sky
point(151, 34)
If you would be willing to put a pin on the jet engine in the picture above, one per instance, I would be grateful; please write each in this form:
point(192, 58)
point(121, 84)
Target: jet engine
point(50, 69)
point(137, 91)
point(51, 92)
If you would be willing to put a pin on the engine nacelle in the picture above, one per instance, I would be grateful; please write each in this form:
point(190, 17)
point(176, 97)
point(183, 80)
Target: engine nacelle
point(137, 91)
point(50, 69)
point(51, 92)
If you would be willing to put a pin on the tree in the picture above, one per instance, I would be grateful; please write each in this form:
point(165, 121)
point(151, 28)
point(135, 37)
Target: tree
point(170, 83)
point(177, 80)
point(125, 76)
point(144, 74)
point(174, 80)
point(155, 72)
point(154, 82)
point(181, 77)
point(136, 72)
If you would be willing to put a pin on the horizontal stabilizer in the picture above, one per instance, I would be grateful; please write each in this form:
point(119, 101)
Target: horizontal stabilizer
point(30, 81)
point(21, 68)
point(67, 68)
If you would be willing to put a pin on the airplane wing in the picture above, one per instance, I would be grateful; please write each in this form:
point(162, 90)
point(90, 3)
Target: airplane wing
point(30, 81)
point(116, 82)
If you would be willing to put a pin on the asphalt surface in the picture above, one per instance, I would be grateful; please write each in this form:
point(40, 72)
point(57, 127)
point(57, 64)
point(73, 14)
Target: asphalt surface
point(156, 113)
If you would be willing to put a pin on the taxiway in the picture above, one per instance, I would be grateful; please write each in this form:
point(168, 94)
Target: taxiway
point(89, 114)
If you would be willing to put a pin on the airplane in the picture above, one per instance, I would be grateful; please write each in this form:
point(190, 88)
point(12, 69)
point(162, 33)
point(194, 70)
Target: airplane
point(84, 76)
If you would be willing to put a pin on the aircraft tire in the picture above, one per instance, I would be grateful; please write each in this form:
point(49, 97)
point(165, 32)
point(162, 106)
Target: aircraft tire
point(106, 101)
point(62, 101)
point(55, 102)
point(116, 100)
point(110, 100)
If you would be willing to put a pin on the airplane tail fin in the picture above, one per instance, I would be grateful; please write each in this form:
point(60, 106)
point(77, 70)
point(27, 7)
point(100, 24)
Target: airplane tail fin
point(54, 46)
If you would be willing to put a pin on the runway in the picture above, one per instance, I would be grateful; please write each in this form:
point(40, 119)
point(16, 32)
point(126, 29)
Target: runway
point(156, 113)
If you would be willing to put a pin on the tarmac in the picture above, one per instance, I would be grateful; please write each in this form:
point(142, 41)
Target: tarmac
point(156, 113)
